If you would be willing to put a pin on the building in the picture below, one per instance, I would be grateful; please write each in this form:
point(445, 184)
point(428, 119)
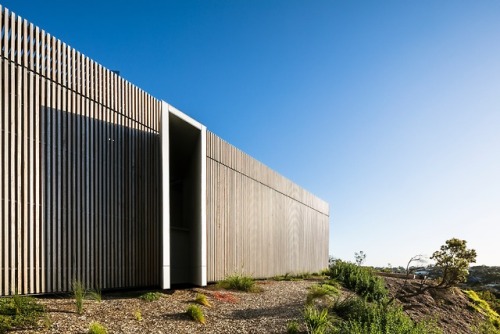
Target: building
point(102, 183)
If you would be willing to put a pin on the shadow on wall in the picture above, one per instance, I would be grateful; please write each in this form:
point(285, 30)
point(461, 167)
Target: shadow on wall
point(101, 201)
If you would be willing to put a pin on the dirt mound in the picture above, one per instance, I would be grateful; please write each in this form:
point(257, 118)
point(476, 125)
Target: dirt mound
point(450, 308)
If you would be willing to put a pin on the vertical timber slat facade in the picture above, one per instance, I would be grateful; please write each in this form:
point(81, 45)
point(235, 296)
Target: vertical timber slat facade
point(258, 221)
point(102, 183)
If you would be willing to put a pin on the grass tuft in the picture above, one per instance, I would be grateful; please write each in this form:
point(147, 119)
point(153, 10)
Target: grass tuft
point(317, 322)
point(293, 327)
point(95, 295)
point(79, 294)
point(239, 282)
point(320, 291)
point(138, 315)
point(202, 300)
point(97, 328)
point(196, 313)
point(151, 296)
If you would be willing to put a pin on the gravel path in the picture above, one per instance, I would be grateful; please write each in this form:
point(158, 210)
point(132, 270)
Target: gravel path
point(231, 312)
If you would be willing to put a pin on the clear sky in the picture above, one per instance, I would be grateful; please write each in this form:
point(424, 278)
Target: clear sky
point(388, 110)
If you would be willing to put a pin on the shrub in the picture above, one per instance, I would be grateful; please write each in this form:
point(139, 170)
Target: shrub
point(239, 282)
point(202, 300)
point(151, 296)
point(196, 313)
point(363, 317)
point(19, 312)
point(317, 322)
point(97, 328)
point(358, 279)
point(79, 294)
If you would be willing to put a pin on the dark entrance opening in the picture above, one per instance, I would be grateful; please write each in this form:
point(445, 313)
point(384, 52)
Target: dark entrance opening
point(185, 200)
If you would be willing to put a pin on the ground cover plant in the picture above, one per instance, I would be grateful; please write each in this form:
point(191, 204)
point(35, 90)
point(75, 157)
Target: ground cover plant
point(491, 299)
point(484, 308)
point(225, 297)
point(19, 312)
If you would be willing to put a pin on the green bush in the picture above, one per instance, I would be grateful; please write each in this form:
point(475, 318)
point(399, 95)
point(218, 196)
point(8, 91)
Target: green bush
point(151, 296)
point(97, 328)
point(239, 282)
point(358, 279)
point(19, 312)
point(362, 317)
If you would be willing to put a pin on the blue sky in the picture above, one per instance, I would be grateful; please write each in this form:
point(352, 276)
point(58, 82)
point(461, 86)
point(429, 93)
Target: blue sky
point(388, 110)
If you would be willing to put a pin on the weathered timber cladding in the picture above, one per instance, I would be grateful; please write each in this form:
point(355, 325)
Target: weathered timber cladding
point(79, 169)
point(80, 182)
point(259, 222)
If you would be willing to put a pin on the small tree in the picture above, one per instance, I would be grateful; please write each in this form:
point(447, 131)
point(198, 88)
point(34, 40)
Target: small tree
point(360, 257)
point(454, 259)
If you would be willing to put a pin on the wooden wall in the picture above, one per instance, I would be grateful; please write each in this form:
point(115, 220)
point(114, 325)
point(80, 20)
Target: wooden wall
point(79, 182)
point(79, 169)
point(259, 222)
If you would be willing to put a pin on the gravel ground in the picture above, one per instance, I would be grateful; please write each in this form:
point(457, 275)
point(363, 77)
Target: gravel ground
point(231, 312)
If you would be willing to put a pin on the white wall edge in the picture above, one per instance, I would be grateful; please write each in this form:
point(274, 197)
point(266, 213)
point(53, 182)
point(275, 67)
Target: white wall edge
point(165, 166)
point(166, 109)
point(185, 117)
point(203, 206)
